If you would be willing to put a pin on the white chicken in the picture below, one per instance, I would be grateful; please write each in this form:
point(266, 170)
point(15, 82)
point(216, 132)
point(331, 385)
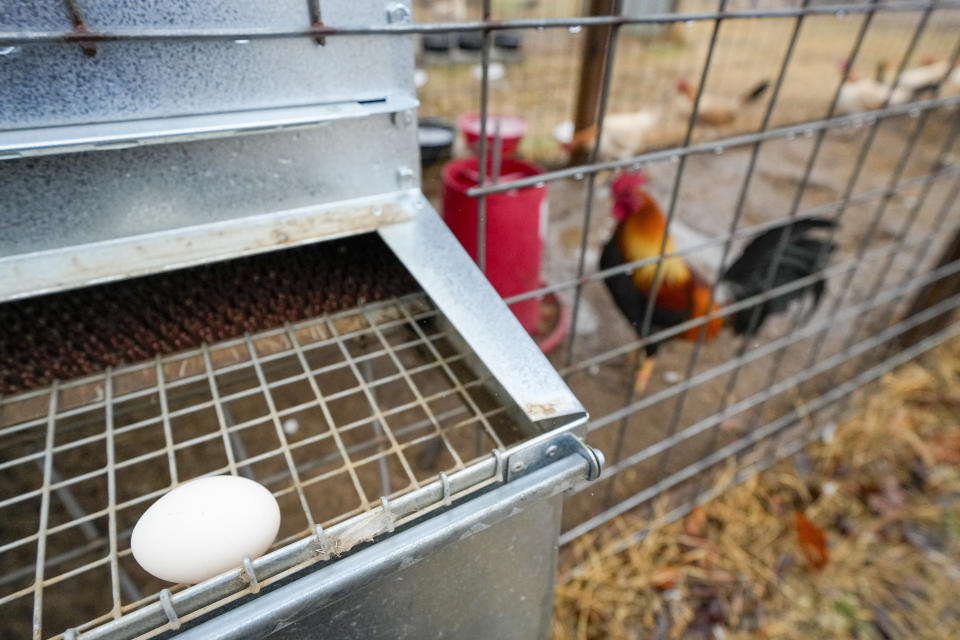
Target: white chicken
point(858, 95)
point(624, 134)
point(951, 86)
point(925, 77)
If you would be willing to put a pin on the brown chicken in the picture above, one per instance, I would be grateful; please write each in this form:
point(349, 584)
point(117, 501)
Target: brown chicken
point(683, 293)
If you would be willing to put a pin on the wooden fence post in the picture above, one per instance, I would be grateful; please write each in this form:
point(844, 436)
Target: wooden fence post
point(592, 69)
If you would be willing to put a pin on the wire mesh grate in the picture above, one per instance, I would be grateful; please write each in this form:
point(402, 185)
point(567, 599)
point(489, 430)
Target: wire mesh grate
point(332, 415)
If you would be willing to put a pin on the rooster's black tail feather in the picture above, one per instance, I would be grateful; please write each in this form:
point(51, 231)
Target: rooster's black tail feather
point(802, 256)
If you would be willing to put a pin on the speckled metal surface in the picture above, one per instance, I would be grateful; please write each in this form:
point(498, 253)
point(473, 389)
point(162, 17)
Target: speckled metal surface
point(70, 83)
point(474, 308)
point(320, 153)
point(74, 219)
point(72, 199)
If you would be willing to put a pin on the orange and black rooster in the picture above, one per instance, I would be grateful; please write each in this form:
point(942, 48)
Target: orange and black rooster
point(683, 293)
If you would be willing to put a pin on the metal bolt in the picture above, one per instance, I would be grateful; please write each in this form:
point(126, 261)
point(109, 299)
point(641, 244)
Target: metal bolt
point(397, 12)
point(406, 177)
point(552, 450)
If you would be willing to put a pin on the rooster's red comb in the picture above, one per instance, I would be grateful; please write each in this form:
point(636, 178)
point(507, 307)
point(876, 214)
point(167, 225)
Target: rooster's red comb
point(624, 192)
point(627, 181)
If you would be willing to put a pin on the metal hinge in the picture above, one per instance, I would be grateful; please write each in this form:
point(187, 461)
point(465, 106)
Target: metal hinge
point(540, 454)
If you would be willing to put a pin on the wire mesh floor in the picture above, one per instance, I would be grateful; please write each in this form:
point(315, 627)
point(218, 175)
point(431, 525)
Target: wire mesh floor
point(332, 415)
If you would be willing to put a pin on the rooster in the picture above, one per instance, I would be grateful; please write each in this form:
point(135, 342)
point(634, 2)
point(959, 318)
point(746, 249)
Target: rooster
point(719, 110)
point(683, 293)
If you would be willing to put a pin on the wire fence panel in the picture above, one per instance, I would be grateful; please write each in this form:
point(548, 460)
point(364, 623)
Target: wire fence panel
point(743, 118)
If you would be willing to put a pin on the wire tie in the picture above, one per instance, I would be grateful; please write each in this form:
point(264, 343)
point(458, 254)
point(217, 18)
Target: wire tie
point(385, 505)
point(445, 483)
point(321, 539)
point(166, 602)
point(251, 576)
point(498, 456)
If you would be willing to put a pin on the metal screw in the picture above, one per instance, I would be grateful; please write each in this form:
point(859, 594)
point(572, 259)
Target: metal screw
point(552, 450)
point(405, 177)
point(397, 12)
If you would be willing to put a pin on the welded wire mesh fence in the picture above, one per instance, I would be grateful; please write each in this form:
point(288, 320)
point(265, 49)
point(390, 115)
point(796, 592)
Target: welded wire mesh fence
point(813, 146)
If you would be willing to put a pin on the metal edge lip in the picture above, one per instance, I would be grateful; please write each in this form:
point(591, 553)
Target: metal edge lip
point(30, 142)
point(451, 279)
point(403, 549)
point(45, 272)
point(490, 470)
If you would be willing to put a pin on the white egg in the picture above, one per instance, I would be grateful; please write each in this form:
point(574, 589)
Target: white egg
point(205, 527)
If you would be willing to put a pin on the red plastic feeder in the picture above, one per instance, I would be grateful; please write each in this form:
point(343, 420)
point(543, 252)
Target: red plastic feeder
point(512, 130)
point(514, 224)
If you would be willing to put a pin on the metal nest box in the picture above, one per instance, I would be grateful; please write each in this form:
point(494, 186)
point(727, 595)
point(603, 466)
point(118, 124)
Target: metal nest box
point(138, 139)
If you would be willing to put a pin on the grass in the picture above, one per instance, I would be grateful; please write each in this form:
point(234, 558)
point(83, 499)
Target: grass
point(885, 494)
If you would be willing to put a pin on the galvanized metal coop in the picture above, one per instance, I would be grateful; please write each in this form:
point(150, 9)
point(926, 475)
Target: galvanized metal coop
point(218, 255)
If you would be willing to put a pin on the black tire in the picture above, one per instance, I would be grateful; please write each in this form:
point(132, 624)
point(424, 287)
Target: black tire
point(436, 42)
point(507, 40)
point(470, 41)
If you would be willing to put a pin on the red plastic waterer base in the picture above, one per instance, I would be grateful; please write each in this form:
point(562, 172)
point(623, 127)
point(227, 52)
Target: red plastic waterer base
point(554, 323)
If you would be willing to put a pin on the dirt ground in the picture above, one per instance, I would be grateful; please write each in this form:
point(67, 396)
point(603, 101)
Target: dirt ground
point(854, 537)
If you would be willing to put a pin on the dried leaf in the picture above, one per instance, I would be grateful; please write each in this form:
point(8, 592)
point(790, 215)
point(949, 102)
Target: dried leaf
point(665, 577)
point(946, 448)
point(813, 542)
point(696, 522)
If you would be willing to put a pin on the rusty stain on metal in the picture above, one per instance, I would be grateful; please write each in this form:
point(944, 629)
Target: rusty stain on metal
point(317, 29)
point(544, 409)
point(81, 34)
